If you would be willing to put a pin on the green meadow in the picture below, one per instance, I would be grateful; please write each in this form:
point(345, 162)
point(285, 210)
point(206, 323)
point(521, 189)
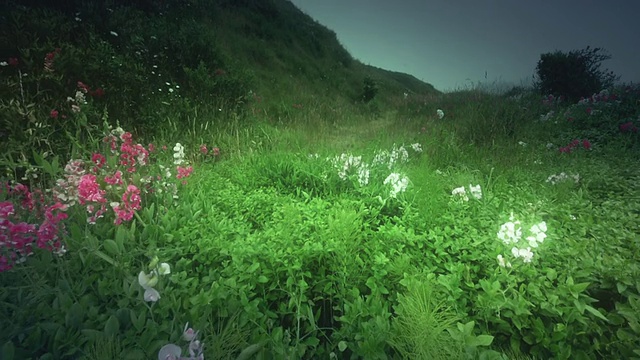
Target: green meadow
point(222, 180)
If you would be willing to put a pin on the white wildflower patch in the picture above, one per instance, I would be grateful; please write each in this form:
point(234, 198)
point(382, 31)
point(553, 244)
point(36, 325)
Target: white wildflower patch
point(398, 183)
point(511, 234)
point(562, 177)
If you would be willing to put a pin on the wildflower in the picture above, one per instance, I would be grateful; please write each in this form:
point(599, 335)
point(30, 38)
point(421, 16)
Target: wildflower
point(476, 191)
point(151, 295)
point(502, 262)
point(178, 155)
point(203, 149)
point(164, 269)
point(461, 193)
point(416, 147)
point(113, 33)
point(4, 63)
point(440, 113)
point(188, 333)
point(54, 114)
point(183, 172)
point(525, 254)
point(510, 232)
point(89, 190)
point(586, 144)
point(398, 183)
point(13, 61)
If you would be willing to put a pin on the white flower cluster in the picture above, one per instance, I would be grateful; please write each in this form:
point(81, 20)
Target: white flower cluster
point(150, 280)
point(562, 177)
point(178, 154)
point(461, 193)
point(398, 183)
point(440, 114)
point(346, 162)
point(511, 233)
point(390, 158)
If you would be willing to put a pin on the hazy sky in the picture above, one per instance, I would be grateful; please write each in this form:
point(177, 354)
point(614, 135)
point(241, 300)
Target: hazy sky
point(452, 43)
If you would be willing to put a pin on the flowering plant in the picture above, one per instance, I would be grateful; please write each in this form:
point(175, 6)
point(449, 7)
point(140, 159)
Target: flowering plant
point(511, 233)
point(174, 352)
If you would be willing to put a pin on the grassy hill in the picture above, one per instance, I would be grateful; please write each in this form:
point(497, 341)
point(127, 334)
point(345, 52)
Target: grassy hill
point(179, 173)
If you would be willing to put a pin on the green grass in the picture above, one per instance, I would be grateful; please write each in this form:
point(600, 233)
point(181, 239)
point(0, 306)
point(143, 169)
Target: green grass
point(274, 253)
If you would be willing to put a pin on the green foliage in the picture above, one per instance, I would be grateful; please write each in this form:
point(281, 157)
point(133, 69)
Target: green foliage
point(273, 252)
point(369, 90)
point(420, 328)
point(574, 74)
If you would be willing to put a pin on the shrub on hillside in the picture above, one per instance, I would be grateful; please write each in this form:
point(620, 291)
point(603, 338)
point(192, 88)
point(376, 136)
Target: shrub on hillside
point(574, 74)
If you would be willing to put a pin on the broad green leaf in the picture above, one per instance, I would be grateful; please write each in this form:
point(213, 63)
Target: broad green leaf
point(480, 340)
point(8, 351)
point(121, 234)
point(253, 267)
point(595, 312)
point(342, 346)
point(112, 327)
point(111, 247)
point(105, 257)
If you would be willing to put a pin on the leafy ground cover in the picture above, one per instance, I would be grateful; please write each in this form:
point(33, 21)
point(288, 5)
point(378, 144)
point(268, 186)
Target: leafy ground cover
point(441, 226)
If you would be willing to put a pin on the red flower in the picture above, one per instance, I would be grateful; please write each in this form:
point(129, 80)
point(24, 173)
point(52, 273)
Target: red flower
point(54, 114)
point(203, 149)
point(85, 89)
point(586, 144)
point(589, 110)
point(565, 149)
point(97, 92)
point(13, 61)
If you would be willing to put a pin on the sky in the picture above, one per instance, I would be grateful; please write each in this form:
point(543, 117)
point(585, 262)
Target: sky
point(455, 44)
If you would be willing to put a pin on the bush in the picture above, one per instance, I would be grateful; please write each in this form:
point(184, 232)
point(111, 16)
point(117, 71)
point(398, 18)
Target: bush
point(573, 75)
point(369, 90)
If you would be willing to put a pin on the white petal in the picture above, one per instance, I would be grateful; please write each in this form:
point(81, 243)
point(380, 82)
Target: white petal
point(164, 269)
point(151, 295)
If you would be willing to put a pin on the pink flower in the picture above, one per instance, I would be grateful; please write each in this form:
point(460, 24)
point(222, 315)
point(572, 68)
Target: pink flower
point(586, 144)
point(6, 209)
point(203, 149)
point(216, 151)
point(89, 190)
point(98, 159)
point(183, 172)
point(151, 147)
point(565, 149)
point(116, 179)
point(126, 137)
point(131, 198)
point(54, 114)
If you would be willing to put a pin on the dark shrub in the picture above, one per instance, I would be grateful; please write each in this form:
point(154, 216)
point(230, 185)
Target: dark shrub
point(573, 75)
